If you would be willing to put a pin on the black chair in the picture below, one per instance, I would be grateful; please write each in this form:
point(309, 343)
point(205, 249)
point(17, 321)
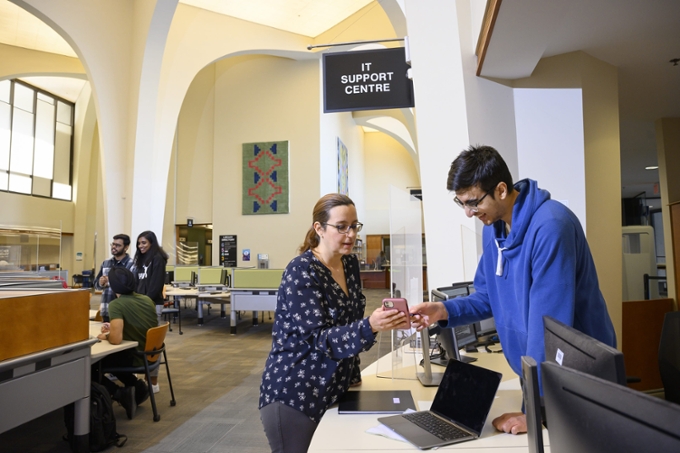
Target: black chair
point(153, 349)
point(669, 356)
point(77, 281)
point(169, 311)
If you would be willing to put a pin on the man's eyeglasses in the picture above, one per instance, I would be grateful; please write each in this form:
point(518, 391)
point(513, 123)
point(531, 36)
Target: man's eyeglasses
point(472, 205)
point(344, 229)
point(116, 245)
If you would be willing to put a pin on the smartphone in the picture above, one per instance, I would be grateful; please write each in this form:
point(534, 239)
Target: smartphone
point(398, 303)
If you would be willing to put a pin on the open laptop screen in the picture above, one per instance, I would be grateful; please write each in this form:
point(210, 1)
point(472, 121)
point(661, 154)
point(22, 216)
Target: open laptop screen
point(465, 394)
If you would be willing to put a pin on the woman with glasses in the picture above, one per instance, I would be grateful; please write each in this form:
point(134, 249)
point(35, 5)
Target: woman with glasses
point(319, 328)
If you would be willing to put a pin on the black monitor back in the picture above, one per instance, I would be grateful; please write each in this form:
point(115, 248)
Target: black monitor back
point(590, 415)
point(532, 404)
point(452, 339)
point(569, 347)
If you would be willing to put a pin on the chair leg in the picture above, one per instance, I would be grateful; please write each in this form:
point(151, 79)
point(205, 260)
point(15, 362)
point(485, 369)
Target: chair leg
point(167, 370)
point(156, 416)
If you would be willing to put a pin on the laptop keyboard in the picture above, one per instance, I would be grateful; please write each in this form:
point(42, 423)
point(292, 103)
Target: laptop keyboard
point(436, 426)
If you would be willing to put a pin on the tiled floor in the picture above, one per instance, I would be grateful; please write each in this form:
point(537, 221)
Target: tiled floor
point(216, 378)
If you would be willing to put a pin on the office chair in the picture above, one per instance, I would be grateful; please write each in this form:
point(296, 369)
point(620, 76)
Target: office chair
point(154, 347)
point(669, 356)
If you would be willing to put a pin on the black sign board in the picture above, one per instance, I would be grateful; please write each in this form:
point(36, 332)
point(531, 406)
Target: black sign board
point(366, 80)
point(228, 250)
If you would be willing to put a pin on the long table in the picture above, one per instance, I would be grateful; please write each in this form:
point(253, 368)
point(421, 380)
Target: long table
point(347, 433)
point(202, 297)
point(251, 299)
point(34, 384)
point(239, 299)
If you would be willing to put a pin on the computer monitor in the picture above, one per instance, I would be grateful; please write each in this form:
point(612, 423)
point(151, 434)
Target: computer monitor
point(532, 404)
point(452, 340)
point(587, 414)
point(185, 274)
point(485, 327)
point(569, 347)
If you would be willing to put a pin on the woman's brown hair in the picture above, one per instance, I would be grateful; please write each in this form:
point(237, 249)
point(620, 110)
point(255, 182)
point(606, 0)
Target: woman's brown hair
point(321, 214)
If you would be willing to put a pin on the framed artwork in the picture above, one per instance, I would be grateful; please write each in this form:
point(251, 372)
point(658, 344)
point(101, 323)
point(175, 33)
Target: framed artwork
point(265, 178)
point(343, 183)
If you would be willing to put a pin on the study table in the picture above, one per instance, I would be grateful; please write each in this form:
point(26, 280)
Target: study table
point(347, 432)
point(35, 384)
point(202, 297)
point(101, 349)
point(239, 299)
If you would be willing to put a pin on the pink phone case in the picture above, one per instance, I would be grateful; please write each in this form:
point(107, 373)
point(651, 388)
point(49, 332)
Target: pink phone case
point(398, 303)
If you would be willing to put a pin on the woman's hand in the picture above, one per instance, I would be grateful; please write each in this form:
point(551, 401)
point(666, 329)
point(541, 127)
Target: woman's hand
point(382, 320)
point(427, 313)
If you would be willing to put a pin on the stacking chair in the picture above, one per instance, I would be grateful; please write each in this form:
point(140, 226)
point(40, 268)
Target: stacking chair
point(154, 347)
point(169, 311)
point(669, 356)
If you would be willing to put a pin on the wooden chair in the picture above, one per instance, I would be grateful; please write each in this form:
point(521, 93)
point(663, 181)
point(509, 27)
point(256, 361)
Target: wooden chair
point(153, 349)
point(98, 316)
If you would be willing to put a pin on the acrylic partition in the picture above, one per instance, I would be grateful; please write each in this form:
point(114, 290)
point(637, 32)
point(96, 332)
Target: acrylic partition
point(406, 276)
point(25, 250)
point(472, 252)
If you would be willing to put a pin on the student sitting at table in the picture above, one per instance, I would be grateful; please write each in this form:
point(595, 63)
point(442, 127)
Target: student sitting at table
point(132, 315)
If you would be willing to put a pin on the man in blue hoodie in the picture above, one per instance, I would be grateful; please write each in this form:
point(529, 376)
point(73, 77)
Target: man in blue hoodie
point(535, 262)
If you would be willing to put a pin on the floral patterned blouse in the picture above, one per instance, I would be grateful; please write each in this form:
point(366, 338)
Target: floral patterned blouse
point(317, 335)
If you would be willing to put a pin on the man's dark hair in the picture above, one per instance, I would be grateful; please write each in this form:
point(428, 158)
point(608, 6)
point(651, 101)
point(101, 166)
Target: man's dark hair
point(121, 280)
point(478, 166)
point(124, 237)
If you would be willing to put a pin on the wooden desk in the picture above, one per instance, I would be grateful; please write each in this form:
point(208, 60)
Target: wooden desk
point(346, 432)
point(375, 279)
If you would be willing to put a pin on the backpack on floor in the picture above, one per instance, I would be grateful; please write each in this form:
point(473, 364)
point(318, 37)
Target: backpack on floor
point(102, 421)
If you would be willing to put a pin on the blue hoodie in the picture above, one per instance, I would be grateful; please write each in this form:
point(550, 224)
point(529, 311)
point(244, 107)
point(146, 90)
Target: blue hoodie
point(542, 267)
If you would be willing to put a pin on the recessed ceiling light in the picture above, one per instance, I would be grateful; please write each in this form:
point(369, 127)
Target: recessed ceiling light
point(652, 167)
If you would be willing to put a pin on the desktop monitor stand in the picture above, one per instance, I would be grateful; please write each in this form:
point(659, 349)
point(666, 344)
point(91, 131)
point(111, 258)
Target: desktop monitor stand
point(444, 360)
point(427, 377)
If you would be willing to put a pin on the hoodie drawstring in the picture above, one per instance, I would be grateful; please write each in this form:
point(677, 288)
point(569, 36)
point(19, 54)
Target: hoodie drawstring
point(499, 263)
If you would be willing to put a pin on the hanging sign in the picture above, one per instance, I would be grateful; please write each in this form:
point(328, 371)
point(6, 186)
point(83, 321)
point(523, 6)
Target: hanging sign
point(366, 80)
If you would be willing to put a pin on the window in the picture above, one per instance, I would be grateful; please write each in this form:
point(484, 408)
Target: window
point(36, 141)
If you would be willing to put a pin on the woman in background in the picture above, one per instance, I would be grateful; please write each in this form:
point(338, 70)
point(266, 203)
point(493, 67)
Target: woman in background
point(319, 328)
point(149, 268)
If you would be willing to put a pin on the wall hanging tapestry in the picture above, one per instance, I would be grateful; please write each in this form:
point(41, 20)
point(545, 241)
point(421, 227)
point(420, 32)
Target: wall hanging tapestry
point(265, 178)
point(343, 184)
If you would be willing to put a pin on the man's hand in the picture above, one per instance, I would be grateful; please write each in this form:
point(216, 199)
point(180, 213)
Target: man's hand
point(103, 280)
point(513, 423)
point(427, 313)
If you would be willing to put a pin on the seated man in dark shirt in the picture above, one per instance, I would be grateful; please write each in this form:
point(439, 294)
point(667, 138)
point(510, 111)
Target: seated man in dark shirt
point(132, 315)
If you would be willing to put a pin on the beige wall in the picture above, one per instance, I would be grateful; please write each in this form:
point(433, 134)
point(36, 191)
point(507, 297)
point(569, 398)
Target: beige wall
point(387, 164)
point(265, 99)
point(195, 134)
point(331, 127)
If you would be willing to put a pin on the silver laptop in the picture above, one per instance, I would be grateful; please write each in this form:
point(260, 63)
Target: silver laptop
point(458, 412)
point(376, 402)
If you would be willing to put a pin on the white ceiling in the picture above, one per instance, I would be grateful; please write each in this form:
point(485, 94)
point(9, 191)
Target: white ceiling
point(638, 37)
point(304, 17)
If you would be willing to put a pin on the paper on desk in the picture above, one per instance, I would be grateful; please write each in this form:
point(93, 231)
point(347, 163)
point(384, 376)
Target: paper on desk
point(382, 430)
